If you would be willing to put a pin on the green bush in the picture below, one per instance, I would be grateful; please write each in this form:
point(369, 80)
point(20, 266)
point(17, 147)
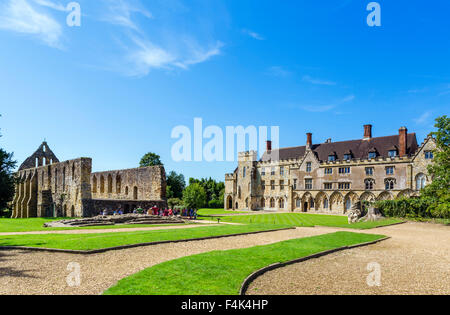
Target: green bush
point(423, 207)
point(215, 204)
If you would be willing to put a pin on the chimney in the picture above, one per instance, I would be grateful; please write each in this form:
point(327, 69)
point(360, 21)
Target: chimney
point(402, 141)
point(367, 132)
point(269, 146)
point(309, 140)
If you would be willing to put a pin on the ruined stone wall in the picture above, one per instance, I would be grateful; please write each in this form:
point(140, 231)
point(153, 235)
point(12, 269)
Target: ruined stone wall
point(145, 183)
point(56, 190)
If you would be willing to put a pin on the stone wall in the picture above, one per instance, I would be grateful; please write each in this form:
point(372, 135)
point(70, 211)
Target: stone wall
point(59, 189)
point(145, 183)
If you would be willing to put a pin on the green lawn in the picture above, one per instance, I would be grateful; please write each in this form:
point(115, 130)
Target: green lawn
point(208, 212)
point(105, 240)
point(305, 220)
point(222, 272)
point(37, 224)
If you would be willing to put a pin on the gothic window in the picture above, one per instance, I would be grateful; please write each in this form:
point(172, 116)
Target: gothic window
point(325, 203)
point(94, 184)
point(295, 184)
point(389, 183)
point(282, 171)
point(298, 203)
point(328, 186)
point(272, 185)
point(281, 184)
point(369, 183)
point(272, 203)
point(281, 203)
point(421, 181)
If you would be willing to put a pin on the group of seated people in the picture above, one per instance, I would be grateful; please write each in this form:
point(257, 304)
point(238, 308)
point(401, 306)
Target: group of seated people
point(191, 213)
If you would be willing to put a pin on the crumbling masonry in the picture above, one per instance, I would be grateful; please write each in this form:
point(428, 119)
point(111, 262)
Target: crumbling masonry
point(46, 187)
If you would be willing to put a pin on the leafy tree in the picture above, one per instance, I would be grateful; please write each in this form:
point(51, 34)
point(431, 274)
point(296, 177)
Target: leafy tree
point(7, 165)
point(194, 196)
point(214, 190)
point(439, 189)
point(174, 202)
point(150, 159)
point(175, 185)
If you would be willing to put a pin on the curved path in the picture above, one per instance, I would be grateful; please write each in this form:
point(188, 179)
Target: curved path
point(416, 260)
point(25, 272)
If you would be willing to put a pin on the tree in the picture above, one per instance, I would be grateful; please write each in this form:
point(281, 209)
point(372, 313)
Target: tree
point(150, 159)
point(194, 196)
point(175, 185)
point(7, 165)
point(439, 170)
point(214, 190)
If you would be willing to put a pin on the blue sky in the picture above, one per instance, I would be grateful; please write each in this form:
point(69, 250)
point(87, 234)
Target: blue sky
point(114, 88)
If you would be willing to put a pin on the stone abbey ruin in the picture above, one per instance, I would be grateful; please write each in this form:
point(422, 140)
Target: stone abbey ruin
point(46, 187)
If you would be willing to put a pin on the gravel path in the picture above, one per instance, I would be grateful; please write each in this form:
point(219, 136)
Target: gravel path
point(416, 260)
point(25, 272)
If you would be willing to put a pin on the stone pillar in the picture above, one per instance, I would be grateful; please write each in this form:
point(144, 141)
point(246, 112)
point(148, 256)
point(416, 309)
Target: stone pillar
point(26, 197)
point(32, 199)
point(16, 198)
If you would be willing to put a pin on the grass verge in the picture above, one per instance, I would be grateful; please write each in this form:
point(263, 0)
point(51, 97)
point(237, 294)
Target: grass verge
point(37, 225)
point(222, 272)
point(106, 240)
point(306, 220)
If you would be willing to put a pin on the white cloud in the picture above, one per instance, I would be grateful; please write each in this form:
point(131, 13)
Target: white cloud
point(119, 12)
point(423, 119)
point(22, 17)
point(328, 107)
point(311, 80)
point(253, 34)
point(50, 4)
point(147, 56)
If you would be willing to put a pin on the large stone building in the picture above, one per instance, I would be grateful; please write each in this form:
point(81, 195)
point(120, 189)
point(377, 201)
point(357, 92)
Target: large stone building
point(330, 177)
point(49, 188)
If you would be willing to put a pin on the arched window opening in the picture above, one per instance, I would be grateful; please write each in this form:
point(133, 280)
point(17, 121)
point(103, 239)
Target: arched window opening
point(135, 193)
point(369, 184)
point(110, 184)
point(118, 184)
point(94, 184)
point(102, 185)
point(389, 183)
point(421, 181)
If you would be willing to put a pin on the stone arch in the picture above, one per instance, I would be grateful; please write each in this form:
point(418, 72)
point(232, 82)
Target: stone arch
point(405, 193)
point(281, 203)
point(320, 199)
point(350, 199)
point(229, 202)
point(385, 195)
point(102, 184)
point(118, 184)
point(94, 184)
point(336, 201)
point(306, 202)
point(272, 203)
point(110, 184)
point(126, 190)
point(135, 193)
point(72, 211)
point(367, 196)
point(246, 203)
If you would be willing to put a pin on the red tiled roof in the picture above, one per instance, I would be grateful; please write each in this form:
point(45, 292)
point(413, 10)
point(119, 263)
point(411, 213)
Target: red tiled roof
point(359, 148)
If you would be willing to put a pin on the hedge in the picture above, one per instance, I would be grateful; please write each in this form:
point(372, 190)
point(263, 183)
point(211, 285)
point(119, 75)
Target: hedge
point(422, 207)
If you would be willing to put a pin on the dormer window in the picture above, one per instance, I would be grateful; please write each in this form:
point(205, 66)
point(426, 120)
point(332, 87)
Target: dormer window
point(347, 157)
point(392, 153)
point(372, 155)
point(331, 158)
point(429, 155)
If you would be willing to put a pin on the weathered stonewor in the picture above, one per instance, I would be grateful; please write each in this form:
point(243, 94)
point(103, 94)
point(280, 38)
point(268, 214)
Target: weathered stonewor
point(49, 188)
point(116, 220)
